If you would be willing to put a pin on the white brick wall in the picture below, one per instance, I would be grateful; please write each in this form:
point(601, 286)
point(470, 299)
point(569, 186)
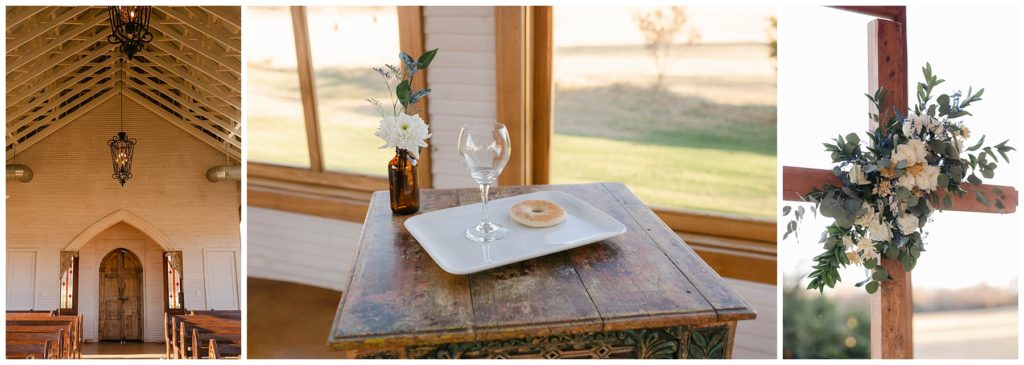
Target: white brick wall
point(73, 189)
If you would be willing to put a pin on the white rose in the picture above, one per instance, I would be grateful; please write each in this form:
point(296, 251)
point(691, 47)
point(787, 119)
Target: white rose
point(920, 150)
point(857, 175)
point(879, 231)
point(928, 179)
point(907, 180)
point(908, 223)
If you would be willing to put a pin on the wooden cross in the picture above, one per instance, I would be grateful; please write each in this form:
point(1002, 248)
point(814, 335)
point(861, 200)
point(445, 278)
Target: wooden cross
point(892, 308)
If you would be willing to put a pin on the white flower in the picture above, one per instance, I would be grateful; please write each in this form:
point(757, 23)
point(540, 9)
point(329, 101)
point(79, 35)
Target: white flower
point(864, 244)
point(847, 242)
point(879, 231)
point(928, 178)
point(407, 132)
point(857, 175)
point(913, 124)
point(914, 151)
point(870, 253)
point(908, 223)
point(907, 180)
point(854, 258)
point(867, 217)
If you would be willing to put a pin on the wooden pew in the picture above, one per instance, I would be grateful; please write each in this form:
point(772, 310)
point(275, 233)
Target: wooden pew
point(65, 347)
point(226, 342)
point(190, 335)
point(57, 334)
point(29, 349)
point(72, 344)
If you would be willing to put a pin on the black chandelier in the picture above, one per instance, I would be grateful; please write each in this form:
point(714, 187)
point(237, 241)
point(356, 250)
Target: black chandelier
point(122, 147)
point(129, 27)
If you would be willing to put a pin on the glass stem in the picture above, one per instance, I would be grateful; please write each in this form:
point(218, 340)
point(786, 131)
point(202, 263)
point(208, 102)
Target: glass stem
point(484, 190)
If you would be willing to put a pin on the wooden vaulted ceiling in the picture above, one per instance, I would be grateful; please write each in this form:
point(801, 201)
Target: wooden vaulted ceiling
point(60, 66)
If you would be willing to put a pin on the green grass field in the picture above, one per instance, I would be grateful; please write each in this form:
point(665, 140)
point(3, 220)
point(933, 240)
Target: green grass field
point(705, 141)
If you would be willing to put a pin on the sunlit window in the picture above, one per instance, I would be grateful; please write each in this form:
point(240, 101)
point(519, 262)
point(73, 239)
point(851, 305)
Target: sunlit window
point(69, 269)
point(274, 121)
point(174, 290)
point(677, 102)
point(346, 42)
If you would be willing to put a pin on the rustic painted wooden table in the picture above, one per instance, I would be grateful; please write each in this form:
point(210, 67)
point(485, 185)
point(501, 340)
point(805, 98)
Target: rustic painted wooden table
point(644, 294)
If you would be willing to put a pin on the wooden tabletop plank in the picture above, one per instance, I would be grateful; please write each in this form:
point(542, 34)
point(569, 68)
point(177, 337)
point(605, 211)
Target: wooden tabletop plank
point(397, 295)
point(727, 304)
point(396, 289)
point(630, 280)
point(541, 296)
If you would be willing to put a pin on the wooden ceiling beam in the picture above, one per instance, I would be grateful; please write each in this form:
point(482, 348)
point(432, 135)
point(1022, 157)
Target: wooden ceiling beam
point(48, 46)
point(230, 64)
point(92, 72)
point(170, 118)
point(191, 79)
point(53, 61)
point(17, 96)
point(229, 14)
point(233, 83)
point(58, 124)
point(231, 41)
point(51, 104)
point(224, 136)
point(187, 99)
point(42, 28)
point(227, 111)
point(17, 14)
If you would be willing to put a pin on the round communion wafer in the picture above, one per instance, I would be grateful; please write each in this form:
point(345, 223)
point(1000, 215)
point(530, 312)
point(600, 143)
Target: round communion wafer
point(537, 213)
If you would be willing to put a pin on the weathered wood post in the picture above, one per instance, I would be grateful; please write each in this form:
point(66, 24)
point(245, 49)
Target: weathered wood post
point(892, 310)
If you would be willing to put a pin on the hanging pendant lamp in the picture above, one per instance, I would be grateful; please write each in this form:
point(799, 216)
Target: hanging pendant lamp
point(129, 28)
point(122, 147)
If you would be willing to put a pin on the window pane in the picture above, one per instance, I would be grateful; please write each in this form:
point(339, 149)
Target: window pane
point(347, 42)
point(702, 139)
point(275, 124)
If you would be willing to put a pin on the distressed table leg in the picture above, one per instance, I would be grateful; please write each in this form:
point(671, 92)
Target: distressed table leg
point(704, 341)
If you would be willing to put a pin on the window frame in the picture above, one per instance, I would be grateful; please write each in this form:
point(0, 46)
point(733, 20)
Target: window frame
point(276, 181)
point(167, 283)
point(73, 265)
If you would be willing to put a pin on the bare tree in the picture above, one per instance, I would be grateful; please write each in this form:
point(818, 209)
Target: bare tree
point(660, 27)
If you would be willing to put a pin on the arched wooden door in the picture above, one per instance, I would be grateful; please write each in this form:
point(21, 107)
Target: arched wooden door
point(120, 297)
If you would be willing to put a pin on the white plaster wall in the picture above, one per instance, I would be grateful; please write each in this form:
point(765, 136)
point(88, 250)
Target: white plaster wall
point(73, 189)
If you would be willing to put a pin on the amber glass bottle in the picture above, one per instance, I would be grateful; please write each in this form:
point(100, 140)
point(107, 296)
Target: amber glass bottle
point(404, 183)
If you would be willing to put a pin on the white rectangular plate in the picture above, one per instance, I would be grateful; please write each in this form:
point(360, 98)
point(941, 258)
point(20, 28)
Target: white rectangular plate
point(443, 233)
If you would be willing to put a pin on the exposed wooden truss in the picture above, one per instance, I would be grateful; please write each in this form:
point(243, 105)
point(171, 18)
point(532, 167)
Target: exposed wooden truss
point(60, 66)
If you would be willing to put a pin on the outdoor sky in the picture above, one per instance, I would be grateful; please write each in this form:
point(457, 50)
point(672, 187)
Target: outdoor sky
point(823, 75)
point(716, 24)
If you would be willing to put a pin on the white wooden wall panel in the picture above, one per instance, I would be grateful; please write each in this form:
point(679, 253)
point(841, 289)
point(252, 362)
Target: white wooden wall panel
point(73, 189)
point(221, 279)
point(463, 82)
point(300, 248)
point(21, 276)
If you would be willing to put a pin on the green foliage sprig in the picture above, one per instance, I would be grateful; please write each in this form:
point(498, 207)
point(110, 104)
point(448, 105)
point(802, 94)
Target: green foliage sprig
point(890, 186)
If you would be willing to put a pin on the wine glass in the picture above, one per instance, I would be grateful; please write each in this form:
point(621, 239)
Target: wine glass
point(485, 149)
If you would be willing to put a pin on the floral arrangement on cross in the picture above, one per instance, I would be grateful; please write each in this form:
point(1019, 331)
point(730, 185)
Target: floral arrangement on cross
point(891, 186)
point(401, 126)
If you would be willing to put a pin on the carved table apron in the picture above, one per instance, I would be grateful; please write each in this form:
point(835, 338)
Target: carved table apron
point(644, 294)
